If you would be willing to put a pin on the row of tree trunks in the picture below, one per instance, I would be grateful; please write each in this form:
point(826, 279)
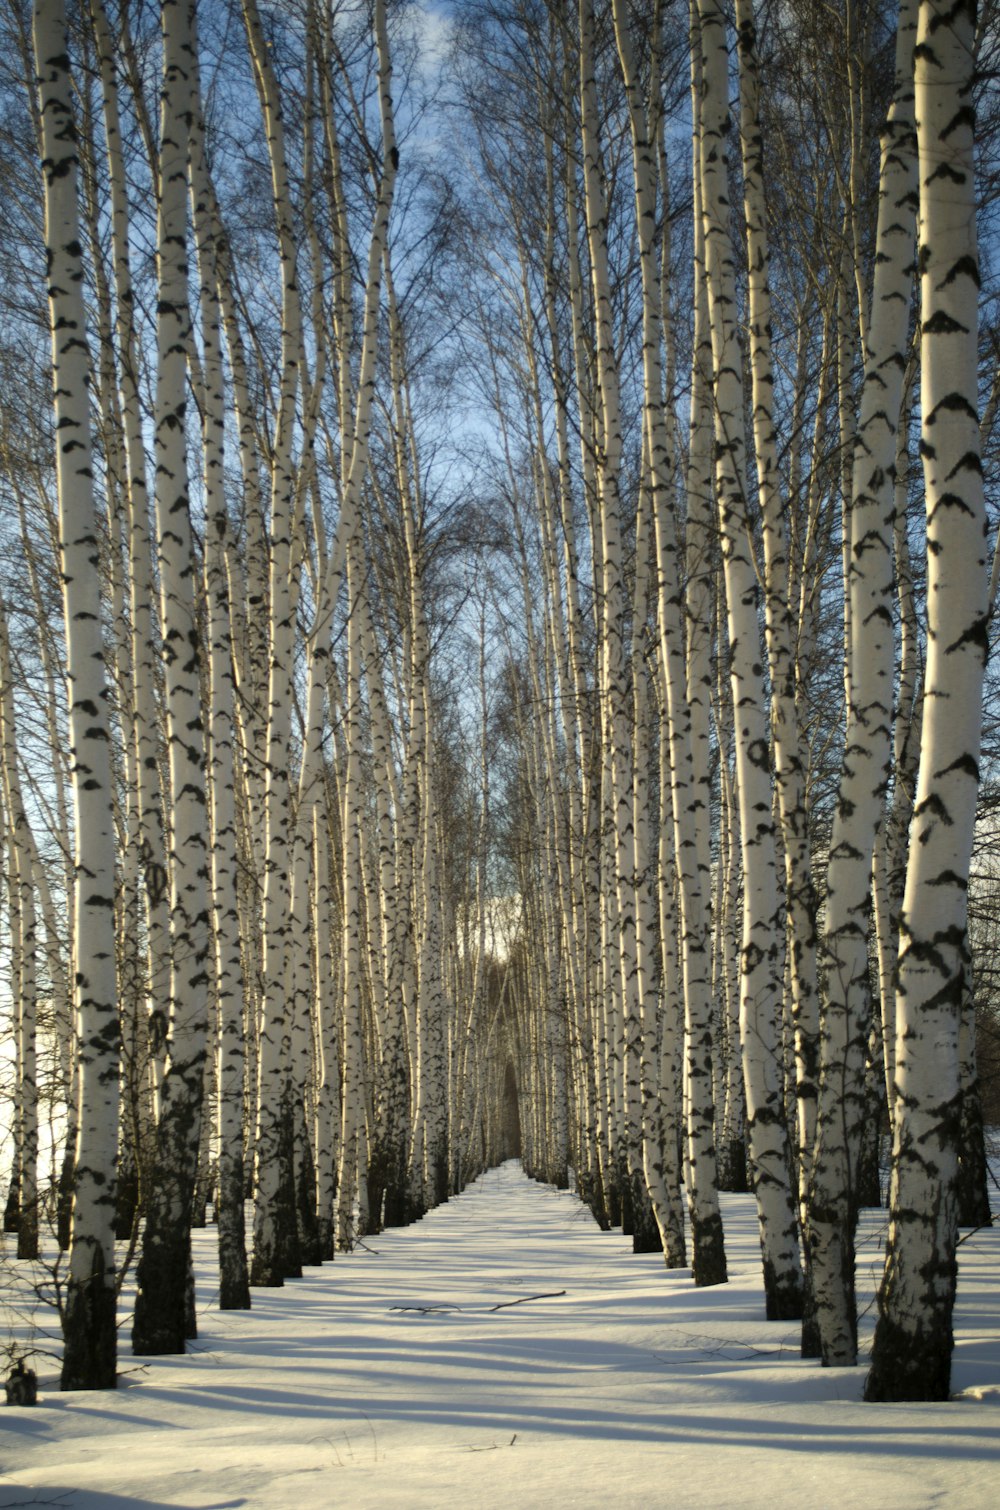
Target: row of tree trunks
point(279, 882)
point(793, 1040)
point(232, 939)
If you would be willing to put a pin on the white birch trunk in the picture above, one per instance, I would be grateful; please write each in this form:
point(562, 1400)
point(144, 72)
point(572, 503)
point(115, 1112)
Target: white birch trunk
point(24, 949)
point(234, 1292)
point(162, 1318)
point(275, 1238)
point(326, 1004)
point(911, 1356)
point(89, 1308)
point(144, 623)
point(865, 774)
point(787, 743)
point(760, 981)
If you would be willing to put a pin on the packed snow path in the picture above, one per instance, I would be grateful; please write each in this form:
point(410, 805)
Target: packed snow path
point(402, 1376)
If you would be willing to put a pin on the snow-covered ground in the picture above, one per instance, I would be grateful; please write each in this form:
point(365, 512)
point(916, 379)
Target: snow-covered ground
point(403, 1375)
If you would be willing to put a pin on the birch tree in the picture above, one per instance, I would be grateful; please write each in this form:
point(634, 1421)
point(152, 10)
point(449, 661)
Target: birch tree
point(161, 1318)
point(275, 1247)
point(865, 775)
point(89, 1333)
point(911, 1355)
point(234, 1291)
point(22, 1210)
point(760, 968)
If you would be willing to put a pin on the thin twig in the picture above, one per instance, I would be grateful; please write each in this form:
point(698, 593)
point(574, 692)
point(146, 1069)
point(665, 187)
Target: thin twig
point(425, 1310)
point(983, 1227)
point(549, 1295)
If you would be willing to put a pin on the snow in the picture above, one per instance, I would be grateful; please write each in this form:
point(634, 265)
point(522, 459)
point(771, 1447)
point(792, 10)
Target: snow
point(401, 1376)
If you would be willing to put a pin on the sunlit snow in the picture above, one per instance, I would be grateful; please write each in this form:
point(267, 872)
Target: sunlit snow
point(402, 1375)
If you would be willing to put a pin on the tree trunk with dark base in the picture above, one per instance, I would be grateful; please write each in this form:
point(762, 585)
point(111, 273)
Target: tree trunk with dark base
point(973, 1186)
point(126, 1192)
point(281, 1259)
point(64, 1191)
point(307, 1225)
point(165, 1316)
point(733, 1167)
point(866, 768)
point(760, 972)
point(913, 1363)
point(869, 1176)
point(708, 1251)
point(89, 1307)
point(645, 1234)
point(234, 1287)
point(89, 1333)
point(160, 1322)
point(811, 1344)
point(911, 1353)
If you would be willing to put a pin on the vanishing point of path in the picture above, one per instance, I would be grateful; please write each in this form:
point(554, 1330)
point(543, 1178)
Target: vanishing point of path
point(404, 1376)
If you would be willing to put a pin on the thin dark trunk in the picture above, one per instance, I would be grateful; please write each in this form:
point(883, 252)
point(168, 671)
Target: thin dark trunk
point(310, 1251)
point(972, 1191)
point(234, 1287)
point(645, 1232)
point(12, 1210)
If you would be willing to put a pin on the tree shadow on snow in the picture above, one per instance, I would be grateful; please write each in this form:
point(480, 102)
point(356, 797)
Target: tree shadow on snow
point(16, 1496)
point(884, 1432)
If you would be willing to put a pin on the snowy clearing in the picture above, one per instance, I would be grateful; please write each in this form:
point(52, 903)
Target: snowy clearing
point(402, 1375)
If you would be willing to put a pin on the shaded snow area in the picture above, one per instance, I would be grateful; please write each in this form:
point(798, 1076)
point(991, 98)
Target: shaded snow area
point(402, 1375)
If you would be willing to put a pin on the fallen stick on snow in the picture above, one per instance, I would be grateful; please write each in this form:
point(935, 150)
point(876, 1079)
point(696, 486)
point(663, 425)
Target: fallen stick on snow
point(549, 1295)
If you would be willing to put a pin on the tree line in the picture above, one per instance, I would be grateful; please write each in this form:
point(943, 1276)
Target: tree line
point(493, 654)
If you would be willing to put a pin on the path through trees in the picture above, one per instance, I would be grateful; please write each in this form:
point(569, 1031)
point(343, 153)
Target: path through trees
point(435, 1366)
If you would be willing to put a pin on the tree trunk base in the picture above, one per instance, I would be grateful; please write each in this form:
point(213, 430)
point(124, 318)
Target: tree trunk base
point(733, 1168)
point(12, 1208)
point(89, 1333)
point(812, 1344)
point(234, 1291)
point(910, 1365)
point(190, 1307)
point(972, 1188)
point(674, 1252)
point(162, 1319)
point(265, 1277)
point(783, 1299)
point(126, 1195)
point(27, 1232)
point(234, 1284)
point(327, 1243)
point(645, 1232)
point(868, 1186)
point(628, 1216)
point(64, 1198)
point(708, 1263)
point(588, 1188)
